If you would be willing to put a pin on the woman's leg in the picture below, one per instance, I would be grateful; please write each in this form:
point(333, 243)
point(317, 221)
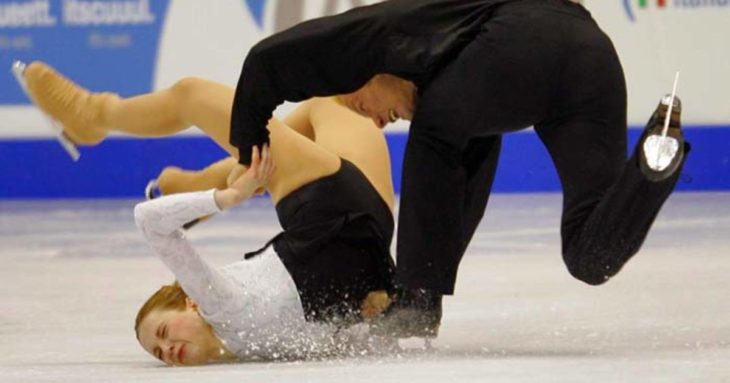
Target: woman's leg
point(331, 126)
point(175, 180)
point(87, 117)
point(189, 102)
point(207, 105)
point(335, 130)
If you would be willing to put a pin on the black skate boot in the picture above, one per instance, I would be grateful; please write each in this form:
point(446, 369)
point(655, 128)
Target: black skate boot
point(659, 157)
point(415, 313)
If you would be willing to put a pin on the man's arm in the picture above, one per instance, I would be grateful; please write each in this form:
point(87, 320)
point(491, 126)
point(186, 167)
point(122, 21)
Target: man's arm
point(321, 57)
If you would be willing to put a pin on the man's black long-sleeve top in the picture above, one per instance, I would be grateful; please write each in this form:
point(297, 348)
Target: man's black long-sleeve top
point(411, 39)
point(482, 68)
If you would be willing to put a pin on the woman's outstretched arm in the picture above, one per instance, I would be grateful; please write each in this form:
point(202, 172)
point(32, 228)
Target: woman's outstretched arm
point(160, 221)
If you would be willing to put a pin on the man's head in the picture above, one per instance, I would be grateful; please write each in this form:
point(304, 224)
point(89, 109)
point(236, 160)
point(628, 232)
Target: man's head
point(169, 327)
point(385, 98)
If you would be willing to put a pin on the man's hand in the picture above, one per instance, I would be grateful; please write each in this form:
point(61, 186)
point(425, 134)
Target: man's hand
point(245, 185)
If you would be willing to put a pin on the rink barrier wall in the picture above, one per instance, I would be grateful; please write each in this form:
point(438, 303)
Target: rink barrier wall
point(120, 167)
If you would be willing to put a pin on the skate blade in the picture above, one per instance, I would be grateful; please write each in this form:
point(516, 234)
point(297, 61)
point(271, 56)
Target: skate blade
point(660, 151)
point(152, 191)
point(416, 344)
point(18, 68)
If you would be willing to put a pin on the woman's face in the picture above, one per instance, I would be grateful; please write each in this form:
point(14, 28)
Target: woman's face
point(384, 99)
point(179, 337)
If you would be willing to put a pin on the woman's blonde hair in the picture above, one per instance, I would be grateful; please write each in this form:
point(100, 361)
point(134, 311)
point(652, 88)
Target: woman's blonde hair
point(168, 297)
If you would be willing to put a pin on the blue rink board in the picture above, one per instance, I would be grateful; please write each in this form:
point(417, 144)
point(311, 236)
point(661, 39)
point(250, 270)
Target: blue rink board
point(120, 167)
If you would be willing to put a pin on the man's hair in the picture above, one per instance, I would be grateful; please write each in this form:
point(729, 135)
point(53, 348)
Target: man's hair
point(168, 297)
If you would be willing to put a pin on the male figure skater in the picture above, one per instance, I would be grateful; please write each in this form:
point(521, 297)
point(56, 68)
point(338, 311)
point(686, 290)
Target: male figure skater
point(465, 72)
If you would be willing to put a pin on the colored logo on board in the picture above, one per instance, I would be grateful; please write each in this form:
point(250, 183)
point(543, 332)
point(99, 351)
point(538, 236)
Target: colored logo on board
point(642, 4)
point(634, 7)
point(256, 7)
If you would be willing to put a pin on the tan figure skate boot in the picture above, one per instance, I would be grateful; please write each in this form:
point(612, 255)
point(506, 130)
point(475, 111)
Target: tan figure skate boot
point(77, 110)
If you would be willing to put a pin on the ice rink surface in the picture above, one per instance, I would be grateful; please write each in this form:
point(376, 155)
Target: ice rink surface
point(75, 272)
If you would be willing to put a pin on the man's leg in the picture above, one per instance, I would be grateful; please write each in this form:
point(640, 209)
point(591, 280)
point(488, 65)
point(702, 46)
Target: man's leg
point(422, 282)
point(609, 205)
point(475, 174)
point(502, 81)
point(418, 310)
point(480, 160)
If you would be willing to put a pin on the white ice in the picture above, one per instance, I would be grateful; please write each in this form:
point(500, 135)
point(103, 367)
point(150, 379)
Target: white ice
point(74, 273)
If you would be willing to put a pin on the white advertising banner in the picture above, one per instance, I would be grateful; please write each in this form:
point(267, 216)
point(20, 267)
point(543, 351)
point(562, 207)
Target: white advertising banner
point(135, 46)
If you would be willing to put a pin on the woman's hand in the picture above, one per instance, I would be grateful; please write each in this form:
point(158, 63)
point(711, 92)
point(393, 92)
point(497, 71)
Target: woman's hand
point(245, 186)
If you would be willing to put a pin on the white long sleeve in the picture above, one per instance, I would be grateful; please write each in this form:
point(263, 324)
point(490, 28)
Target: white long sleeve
point(160, 221)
